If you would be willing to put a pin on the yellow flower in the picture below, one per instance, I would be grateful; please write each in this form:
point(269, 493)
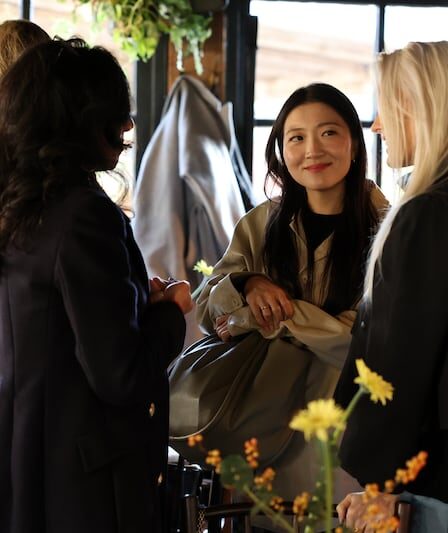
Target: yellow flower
point(318, 418)
point(202, 267)
point(379, 389)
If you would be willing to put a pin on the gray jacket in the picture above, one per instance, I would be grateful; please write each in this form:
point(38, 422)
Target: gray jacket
point(187, 199)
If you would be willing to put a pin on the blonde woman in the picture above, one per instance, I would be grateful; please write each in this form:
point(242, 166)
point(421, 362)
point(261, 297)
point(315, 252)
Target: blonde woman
point(15, 37)
point(402, 329)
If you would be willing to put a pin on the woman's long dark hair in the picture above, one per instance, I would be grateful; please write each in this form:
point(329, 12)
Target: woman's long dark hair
point(58, 102)
point(351, 238)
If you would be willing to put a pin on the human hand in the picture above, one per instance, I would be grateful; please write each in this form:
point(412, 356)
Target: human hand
point(171, 290)
point(157, 284)
point(353, 511)
point(269, 303)
point(222, 327)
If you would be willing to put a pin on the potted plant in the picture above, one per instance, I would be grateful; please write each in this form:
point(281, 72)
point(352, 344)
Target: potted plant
point(139, 24)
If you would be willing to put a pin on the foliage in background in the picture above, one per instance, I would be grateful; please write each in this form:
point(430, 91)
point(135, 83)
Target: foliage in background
point(139, 24)
point(322, 421)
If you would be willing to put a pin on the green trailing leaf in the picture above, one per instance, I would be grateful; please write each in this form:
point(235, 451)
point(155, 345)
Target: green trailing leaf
point(139, 24)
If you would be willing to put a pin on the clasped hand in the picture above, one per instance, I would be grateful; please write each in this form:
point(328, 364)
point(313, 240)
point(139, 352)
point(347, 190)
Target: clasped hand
point(269, 303)
point(353, 511)
point(171, 290)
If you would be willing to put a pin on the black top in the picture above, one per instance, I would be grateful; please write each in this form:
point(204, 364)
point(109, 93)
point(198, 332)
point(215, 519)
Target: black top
point(317, 227)
point(403, 336)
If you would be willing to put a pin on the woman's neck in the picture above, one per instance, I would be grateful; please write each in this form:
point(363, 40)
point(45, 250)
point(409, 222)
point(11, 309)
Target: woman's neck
point(328, 202)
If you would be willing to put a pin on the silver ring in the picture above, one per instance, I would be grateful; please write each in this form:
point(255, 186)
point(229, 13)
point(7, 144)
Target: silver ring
point(264, 307)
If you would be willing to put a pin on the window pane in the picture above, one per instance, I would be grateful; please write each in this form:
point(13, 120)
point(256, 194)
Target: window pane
point(60, 18)
point(260, 137)
point(414, 24)
point(299, 43)
point(370, 140)
point(9, 10)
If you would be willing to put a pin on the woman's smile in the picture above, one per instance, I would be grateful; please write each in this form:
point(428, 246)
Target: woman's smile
point(318, 167)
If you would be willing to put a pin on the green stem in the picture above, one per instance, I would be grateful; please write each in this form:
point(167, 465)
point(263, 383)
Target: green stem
point(275, 517)
point(361, 391)
point(328, 469)
point(198, 290)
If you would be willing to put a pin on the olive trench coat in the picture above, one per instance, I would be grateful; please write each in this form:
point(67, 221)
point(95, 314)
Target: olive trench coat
point(323, 339)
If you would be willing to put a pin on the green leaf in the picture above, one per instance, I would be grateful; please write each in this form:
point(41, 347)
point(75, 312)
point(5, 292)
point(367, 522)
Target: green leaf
point(138, 24)
point(235, 472)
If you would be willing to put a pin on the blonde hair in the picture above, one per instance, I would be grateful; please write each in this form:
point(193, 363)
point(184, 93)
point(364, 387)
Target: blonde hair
point(413, 89)
point(15, 37)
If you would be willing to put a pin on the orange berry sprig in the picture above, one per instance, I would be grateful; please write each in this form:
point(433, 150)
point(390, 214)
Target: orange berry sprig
point(277, 503)
point(402, 475)
point(385, 526)
point(265, 479)
point(414, 466)
point(214, 459)
point(251, 452)
point(371, 491)
point(197, 440)
point(194, 439)
point(300, 504)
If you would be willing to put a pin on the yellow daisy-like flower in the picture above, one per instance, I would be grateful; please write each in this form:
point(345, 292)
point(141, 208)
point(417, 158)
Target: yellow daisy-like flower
point(202, 267)
point(379, 389)
point(318, 418)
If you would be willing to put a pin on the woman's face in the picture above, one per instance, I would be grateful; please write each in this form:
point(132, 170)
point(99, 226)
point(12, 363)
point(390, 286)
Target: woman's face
point(111, 154)
point(317, 147)
point(394, 160)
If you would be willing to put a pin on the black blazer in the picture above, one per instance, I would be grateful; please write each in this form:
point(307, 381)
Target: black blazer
point(83, 386)
point(403, 335)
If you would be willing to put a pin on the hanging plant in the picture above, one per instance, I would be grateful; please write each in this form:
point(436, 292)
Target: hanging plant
point(139, 24)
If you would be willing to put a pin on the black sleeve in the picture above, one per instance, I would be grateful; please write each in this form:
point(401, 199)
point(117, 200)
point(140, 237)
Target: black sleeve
point(122, 343)
point(403, 338)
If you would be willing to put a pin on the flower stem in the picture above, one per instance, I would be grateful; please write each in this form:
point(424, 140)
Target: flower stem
point(275, 517)
point(349, 411)
point(328, 469)
point(198, 290)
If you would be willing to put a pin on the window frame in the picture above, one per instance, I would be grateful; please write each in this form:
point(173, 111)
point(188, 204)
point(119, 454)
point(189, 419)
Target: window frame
point(379, 46)
point(152, 76)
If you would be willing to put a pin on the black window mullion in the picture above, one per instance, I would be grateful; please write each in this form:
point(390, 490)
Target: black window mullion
point(379, 48)
point(25, 9)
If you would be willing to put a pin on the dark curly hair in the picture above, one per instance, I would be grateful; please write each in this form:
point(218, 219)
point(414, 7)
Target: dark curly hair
point(359, 218)
point(60, 103)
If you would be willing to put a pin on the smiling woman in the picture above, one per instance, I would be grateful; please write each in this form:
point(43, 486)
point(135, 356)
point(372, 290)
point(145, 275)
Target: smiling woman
point(293, 271)
point(318, 151)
